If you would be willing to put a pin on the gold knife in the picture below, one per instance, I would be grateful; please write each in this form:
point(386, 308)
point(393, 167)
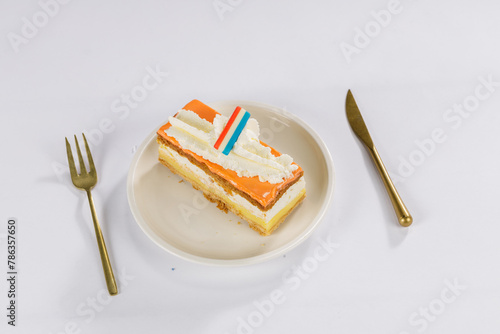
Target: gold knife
point(359, 127)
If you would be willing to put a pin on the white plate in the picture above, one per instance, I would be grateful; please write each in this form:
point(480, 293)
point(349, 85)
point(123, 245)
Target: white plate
point(179, 219)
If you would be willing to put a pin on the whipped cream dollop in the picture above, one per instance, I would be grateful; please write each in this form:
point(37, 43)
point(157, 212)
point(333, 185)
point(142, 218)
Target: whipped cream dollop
point(248, 158)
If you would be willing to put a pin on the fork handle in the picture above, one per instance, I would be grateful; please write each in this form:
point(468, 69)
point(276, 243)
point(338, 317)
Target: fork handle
point(106, 265)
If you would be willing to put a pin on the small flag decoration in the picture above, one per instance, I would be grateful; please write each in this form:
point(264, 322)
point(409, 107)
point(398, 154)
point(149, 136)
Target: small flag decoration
point(232, 130)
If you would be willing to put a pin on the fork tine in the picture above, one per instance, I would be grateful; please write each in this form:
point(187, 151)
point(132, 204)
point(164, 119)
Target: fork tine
point(83, 170)
point(71, 161)
point(89, 156)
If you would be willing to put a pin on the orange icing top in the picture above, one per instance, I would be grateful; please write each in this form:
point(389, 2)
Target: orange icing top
point(262, 192)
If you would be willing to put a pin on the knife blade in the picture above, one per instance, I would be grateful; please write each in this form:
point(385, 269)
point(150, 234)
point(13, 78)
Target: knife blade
point(356, 120)
point(359, 127)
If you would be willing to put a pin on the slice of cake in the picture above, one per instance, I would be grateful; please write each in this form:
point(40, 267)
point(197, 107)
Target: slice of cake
point(246, 176)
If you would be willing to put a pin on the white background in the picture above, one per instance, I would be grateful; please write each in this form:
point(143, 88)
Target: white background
point(381, 279)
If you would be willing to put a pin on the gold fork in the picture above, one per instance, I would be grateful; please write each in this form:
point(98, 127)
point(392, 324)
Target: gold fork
point(86, 180)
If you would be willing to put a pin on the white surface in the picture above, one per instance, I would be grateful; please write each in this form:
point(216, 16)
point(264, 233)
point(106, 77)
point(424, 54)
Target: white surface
point(69, 77)
point(169, 213)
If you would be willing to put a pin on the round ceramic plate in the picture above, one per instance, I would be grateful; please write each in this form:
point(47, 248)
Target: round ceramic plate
point(179, 219)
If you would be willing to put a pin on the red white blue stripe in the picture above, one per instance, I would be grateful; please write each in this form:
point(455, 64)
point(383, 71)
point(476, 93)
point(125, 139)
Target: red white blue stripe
point(232, 130)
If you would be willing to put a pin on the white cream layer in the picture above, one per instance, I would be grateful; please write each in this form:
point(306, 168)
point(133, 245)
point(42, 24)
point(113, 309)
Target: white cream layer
point(206, 179)
point(248, 158)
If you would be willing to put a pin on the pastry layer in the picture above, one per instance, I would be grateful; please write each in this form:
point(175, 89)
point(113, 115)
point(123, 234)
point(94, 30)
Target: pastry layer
point(230, 186)
point(261, 194)
point(262, 221)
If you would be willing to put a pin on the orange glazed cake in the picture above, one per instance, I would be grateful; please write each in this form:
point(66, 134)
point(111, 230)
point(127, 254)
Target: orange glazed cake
point(253, 180)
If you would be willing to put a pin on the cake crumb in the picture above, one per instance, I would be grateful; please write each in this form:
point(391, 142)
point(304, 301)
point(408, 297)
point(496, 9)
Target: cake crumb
point(239, 223)
point(181, 181)
point(222, 206)
point(262, 245)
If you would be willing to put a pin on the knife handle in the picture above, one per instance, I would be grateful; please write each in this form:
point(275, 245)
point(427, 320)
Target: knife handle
point(404, 217)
